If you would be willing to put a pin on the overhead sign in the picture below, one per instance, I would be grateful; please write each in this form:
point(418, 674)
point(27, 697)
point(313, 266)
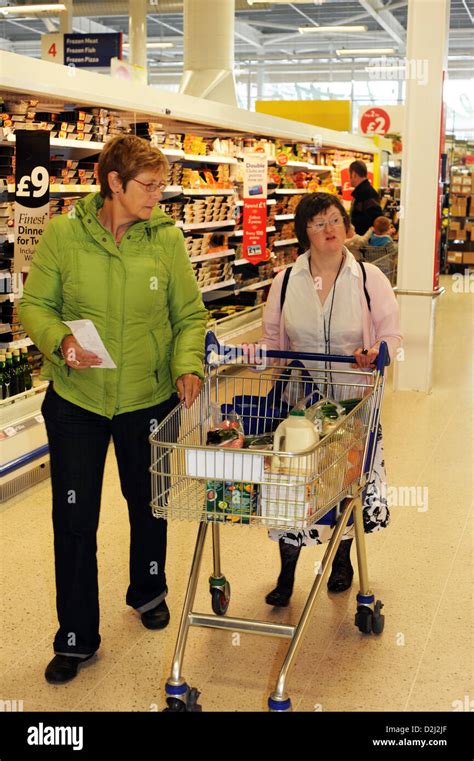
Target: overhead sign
point(254, 247)
point(52, 47)
point(31, 193)
point(92, 50)
point(374, 121)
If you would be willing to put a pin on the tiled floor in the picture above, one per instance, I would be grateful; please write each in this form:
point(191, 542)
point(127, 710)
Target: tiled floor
point(421, 567)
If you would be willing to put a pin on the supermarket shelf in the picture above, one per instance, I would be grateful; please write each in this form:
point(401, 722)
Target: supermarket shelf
point(172, 153)
point(270, 159)
point(283, 217)
point(216, 286)
point(208, 192)
point(205, 225)
point(42, 386)
point(246, 261)
point(57, 189)
point(237, 326)
point(209, 159)
point(239, 233)
point(172, 190)
point(307, 165)
point(256, 286)
point(289, 191)
point(177, 190)
point(17, 344)
point(287, 242)
point(270, 202)
point(80, 148)
point(213, 255)
point(285, 267)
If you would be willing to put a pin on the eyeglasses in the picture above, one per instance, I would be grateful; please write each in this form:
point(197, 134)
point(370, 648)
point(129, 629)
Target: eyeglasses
point(151, 187)
point(318, 227)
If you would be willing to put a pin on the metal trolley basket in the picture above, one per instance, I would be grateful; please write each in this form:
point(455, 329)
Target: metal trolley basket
point(278, 490)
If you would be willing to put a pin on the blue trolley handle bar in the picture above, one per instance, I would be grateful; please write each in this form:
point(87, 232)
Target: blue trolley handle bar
point(212, 344)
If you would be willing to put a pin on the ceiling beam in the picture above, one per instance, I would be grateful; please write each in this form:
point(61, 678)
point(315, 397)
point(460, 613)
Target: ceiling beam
point(248, 34)
point(84, 25)
point(386, 20)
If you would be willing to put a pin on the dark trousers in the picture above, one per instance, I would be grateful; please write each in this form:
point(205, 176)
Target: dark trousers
point(78, 443)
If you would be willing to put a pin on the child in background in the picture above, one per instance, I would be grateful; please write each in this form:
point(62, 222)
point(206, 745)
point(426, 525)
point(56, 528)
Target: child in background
point(381, 232)
point(381, 249)
point(355, 242)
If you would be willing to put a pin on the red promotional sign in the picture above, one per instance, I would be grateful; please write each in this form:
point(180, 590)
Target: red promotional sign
point(255, 230)
point(282, 159)
point(375, 121)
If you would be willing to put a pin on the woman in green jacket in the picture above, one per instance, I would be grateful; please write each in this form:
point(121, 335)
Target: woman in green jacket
point(120, 262)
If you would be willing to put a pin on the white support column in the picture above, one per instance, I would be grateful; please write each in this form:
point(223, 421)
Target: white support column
point(427, 43)
point(65, 18)
point(137, 35)
point(209, 50)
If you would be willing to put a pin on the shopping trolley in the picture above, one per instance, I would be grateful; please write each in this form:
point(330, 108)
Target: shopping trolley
point(259, 487)
point(387, 263)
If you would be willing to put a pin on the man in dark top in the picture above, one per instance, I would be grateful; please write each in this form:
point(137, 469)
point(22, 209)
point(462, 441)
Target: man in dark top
point(366, 204)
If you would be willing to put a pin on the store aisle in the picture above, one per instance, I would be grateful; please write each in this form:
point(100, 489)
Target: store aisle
point(421, 567)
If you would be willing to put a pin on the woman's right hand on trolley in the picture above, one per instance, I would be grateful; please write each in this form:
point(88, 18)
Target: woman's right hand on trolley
point(76, 357)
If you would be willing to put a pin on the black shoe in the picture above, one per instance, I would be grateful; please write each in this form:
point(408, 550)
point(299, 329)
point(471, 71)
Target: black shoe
point(280, 596)
point(156, 618)
point(342, 572)
point(63, 668)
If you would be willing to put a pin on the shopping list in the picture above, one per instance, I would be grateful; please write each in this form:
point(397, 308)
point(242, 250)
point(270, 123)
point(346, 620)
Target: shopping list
point(85, 332)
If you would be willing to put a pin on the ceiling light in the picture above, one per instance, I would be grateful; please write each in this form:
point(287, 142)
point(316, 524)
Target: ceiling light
point(331, 29)
point(22, 10)
point(364, 51)
point(153, 45)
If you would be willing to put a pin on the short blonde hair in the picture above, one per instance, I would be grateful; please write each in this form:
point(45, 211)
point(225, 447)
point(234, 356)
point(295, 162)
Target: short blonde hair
point(128, 155)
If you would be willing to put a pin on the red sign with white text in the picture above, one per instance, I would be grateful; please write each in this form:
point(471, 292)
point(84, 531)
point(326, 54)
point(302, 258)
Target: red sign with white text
point(255, 230)
point(375, 121)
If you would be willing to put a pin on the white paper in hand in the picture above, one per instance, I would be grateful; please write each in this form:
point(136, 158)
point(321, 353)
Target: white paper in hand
point(85, 332)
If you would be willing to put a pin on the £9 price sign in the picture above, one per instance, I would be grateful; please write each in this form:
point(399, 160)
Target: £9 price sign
point(31, 193)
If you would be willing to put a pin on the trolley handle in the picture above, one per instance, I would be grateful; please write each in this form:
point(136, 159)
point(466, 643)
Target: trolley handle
point(235, 352)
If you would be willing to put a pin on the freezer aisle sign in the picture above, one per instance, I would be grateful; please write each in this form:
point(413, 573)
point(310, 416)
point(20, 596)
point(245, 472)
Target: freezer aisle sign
point(92, 50)
point(254, 246)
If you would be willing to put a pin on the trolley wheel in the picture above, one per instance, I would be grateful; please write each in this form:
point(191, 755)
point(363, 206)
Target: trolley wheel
point(363, 619)
point(220, 599)
point(378, 619)
point(175, 705)
point(192, 705)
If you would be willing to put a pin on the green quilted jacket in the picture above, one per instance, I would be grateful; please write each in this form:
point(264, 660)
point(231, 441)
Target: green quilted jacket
point(141, 295)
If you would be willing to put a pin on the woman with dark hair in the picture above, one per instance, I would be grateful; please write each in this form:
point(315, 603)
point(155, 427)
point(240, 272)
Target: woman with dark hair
point(329, 309)
point(120, 262)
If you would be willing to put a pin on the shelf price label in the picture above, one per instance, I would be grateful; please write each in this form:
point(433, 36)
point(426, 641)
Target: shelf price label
point(31, 194)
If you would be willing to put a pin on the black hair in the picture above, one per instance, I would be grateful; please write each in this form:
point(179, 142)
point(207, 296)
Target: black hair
point(359, 168)
point(309, 206)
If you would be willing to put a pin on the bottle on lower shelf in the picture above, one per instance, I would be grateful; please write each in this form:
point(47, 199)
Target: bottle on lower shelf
point(15, 373)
